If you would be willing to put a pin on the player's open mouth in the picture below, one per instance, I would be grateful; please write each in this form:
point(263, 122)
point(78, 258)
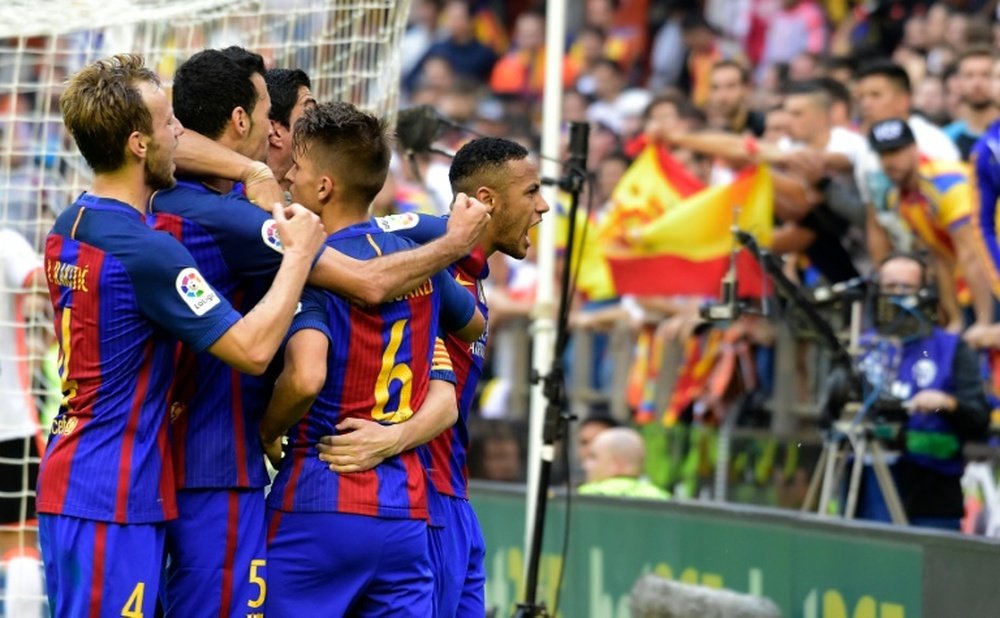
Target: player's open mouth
point(527, 232)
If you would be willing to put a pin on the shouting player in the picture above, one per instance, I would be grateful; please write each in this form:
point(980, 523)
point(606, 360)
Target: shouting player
point(123, 293)
point(355, 544)
point(498, 173)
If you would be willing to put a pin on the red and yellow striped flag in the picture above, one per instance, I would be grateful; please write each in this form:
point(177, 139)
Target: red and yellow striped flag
point(652, 185)
point(687, 249)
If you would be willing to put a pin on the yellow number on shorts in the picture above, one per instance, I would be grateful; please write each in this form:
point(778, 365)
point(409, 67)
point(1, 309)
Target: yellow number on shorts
point(392, 371)
point(68, 387)
point(257, 579)
point(133, 607)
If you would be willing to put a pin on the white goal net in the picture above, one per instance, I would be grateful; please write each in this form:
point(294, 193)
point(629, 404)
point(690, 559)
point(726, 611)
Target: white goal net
point(349, 48)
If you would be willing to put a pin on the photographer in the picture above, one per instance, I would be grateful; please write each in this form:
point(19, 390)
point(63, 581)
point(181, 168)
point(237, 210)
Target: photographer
point(936, 375)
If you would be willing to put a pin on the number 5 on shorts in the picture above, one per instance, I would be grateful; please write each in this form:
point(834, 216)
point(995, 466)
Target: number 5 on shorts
point(259, 581)
point(133, 607)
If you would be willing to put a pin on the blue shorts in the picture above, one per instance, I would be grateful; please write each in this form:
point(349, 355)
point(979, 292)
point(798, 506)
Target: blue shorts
point(458, 553)
point(216, 554)
point(95, 568)
point(336, 564)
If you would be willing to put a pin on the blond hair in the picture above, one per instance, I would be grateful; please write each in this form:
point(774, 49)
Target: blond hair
point(102, 106)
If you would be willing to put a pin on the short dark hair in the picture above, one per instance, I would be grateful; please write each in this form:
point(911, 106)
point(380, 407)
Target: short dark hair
point(283, 86)
point(837, 91)
point(670, 97)
point(252, 62)
point(347, 143)
point(733, 64)
point(695, 21)
point(611, 64)
point(836, 63)
point(607, 422)
point(210, 85)
point(811, 88)
point(893, 72)
point(483, 155)
point(102, 106)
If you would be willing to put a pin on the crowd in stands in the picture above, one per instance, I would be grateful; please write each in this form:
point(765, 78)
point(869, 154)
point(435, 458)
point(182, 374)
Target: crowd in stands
point(796, 85)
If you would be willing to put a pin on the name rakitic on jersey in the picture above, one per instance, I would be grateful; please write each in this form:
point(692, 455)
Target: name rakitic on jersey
point(68, 275)
point(425, 289)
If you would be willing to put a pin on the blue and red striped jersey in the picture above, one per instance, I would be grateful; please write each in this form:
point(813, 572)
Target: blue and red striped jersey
point(380, 361)
point(446, 456)
point(214, 409)
point(122, 294)
point(449, 451)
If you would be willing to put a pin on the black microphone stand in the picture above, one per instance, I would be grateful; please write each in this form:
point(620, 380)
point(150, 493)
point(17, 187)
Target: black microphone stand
point(557, 413)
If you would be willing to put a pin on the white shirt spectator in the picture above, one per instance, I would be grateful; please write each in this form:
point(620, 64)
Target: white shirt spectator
point(842, 141)
point(18, 417)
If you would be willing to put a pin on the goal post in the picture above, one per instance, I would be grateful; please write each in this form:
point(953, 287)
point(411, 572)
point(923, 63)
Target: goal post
point(349, 48)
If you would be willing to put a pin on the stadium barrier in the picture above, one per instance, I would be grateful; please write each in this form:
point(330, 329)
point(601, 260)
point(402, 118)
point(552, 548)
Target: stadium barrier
point(811, 567)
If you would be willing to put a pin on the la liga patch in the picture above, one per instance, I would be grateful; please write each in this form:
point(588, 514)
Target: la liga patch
point(195, 291)
point(269, 233)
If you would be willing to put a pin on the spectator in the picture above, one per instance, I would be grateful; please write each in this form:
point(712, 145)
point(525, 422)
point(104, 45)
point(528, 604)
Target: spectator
point(929, 101)
point(624, 43)
point(495, 453)
point(977, 110)
point(609, 84)
point(798, 27)
point(23, 305)
point(521, 71)
point(822, 232)
point(614, 467)
point(728, 106)
point(666, 60)
point(588, 430)
point(582, 58)
point(700, 57)
point(883, 92)
point(466, 55)
point(420, 33)
point(804, 66)
point(934, 199)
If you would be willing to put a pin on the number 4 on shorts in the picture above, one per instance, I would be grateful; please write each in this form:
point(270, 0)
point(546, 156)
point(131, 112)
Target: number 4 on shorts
point(133, 607)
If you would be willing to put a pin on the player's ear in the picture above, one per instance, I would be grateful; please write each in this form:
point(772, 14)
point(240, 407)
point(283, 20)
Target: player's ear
point(486, 195)
point(137, 144)
point(327, 188)
point(277, 131)
point(240, 120)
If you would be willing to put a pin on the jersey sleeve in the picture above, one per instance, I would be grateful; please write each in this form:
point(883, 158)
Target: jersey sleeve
point(457, 305)
point(416, 227)
point(986, 184)
point(18, 258)
point(955, 207)
point(248, 238)
point(311, 313)
point(173, 294)
point(441, 367)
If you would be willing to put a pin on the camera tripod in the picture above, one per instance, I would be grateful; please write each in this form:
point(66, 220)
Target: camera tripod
point(848, 437)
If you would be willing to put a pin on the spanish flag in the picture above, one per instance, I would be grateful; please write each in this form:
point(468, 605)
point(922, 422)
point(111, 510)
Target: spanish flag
point(654, 183)
point(686, 250)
